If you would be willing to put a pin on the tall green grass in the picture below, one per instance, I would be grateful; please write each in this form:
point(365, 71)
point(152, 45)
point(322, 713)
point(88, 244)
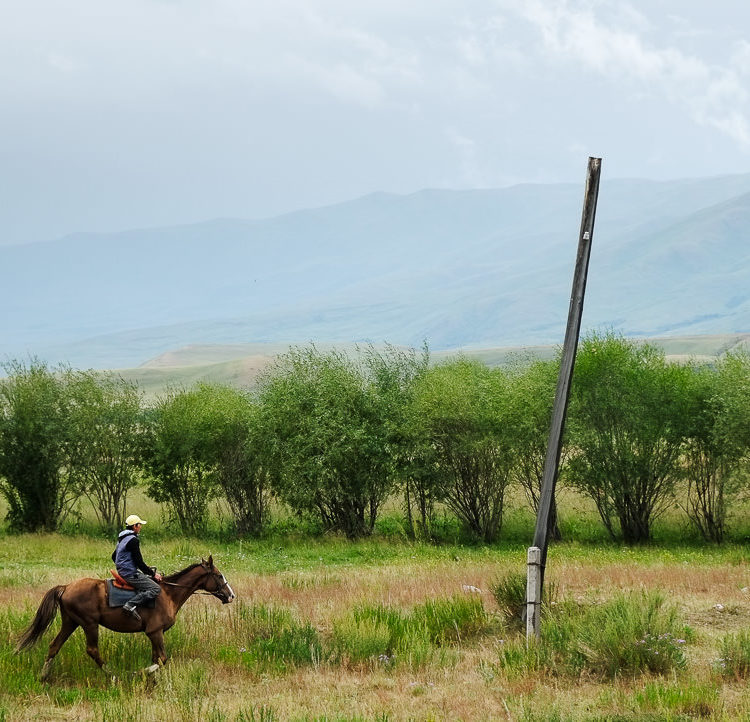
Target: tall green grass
point(629, 635)
point(417, 637)
point(694, 700)
point(509, 592)
point(270, 638)
point(734, 655)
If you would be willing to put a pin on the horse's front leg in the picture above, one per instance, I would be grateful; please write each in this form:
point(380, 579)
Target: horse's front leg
point(158, 653)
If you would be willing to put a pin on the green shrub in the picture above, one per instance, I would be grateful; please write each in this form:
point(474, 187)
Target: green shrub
point(518, 657)
point(628, 635)
point(629, 418)
point(450, 620)
point(175, 456)
point(295, 646)
point(440, 620)
point(331, 453)
point(461, 421)
point(510, 594)
point(35, 441)
point(631, 634)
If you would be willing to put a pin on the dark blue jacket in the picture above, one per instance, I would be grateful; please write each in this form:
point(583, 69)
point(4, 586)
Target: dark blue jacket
point(127, 555)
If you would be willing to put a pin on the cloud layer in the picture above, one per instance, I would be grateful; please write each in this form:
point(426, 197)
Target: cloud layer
point(152, 112)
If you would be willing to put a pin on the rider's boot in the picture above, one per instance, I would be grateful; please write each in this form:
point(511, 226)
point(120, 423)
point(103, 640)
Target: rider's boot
point(130, 609)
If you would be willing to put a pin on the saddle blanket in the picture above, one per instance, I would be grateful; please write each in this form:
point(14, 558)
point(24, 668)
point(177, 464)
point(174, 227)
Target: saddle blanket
point(117, 597)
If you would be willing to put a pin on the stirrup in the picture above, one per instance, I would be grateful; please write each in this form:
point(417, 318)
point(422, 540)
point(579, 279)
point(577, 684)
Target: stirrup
point(132, 611)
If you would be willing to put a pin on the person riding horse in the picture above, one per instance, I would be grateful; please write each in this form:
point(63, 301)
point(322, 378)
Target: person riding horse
point(131, 567)
point(84, 603)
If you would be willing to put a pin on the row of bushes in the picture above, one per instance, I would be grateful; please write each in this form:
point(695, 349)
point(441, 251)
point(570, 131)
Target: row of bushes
point(334, 436)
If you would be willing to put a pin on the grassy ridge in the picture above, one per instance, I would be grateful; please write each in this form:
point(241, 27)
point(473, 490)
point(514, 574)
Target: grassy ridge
point(239, 364)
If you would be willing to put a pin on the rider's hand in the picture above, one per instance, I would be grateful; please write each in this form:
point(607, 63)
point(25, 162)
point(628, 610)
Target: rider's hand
point(158, 577)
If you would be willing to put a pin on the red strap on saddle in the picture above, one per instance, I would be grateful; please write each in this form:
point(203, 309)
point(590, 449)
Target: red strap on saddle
point(119, 582)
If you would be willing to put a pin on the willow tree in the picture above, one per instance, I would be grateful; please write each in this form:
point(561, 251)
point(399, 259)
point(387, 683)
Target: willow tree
point(628, 423)
point(106, 418)
point(717, 449)
point(461, 412)
point(330, 453)
point(234, 451)
point(35, 440)
point(175, 455)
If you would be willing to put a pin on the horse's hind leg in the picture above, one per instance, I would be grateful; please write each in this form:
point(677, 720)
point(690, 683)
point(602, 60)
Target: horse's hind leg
point(92, 644)
point(67, 628)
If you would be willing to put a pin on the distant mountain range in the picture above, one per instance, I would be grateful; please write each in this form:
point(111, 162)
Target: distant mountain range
point(455, 268)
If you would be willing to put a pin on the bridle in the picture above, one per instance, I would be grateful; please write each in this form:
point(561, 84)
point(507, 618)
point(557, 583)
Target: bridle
point(221, 583)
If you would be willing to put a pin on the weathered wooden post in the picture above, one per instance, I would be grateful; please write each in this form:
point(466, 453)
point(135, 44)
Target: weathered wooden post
point(537, 554)
point(533, 590)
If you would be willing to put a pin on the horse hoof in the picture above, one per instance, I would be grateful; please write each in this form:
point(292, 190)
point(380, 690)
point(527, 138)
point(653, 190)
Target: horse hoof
point(147, 671)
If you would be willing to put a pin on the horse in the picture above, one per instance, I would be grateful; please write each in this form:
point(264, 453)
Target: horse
point(84, 604)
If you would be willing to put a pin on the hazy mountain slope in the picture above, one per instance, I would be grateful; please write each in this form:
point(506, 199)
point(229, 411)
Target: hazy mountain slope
point(488, 267)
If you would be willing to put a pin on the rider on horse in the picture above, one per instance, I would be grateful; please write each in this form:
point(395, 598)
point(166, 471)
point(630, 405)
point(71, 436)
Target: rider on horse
point(131, 567)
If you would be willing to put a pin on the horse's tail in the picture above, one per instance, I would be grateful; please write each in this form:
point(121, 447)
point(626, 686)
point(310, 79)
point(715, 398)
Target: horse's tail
point(44, 616)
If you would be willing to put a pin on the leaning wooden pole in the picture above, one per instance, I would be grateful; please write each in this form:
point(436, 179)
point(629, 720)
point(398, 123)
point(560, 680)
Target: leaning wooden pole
point(537, 554)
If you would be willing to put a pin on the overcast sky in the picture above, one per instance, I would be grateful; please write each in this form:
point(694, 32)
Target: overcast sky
point(117, 114)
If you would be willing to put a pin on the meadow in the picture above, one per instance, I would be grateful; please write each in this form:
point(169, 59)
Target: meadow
point(390, 629)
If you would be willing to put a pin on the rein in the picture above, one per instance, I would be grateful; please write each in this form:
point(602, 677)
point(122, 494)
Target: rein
point(186, 586)
point(197, 591)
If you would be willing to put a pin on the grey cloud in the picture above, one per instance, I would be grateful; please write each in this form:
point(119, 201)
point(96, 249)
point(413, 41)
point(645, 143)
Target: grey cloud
point(151, 112)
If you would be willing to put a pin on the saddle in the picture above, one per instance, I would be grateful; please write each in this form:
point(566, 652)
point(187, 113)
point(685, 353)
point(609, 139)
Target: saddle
point(119, 582)
point(119, 592)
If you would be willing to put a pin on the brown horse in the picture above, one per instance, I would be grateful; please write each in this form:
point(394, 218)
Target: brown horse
point(83, 603)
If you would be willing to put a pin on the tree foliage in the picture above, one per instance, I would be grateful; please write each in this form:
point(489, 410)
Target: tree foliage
point(106, 419)
point(531, 400)
point(330, 438)
point(392, 373)
point(629, 411)
point(461, 413)
point(35, 436)
point(236, 453)
point(175, 453)
point(334, 435)
point(716, 450)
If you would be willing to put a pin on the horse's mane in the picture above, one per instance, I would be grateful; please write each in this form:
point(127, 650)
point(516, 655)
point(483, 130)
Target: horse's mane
point(174, 577)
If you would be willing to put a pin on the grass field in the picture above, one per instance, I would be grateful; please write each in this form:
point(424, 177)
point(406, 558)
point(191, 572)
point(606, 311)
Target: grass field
point(387, 629)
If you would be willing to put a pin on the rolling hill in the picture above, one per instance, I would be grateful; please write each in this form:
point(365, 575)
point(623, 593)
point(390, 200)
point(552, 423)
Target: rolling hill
point(240, 364)
point(460, 269)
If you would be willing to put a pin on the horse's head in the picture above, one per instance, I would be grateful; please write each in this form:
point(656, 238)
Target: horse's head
point(215, 582)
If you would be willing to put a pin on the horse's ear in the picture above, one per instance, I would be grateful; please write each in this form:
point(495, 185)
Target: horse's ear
point(203, 562)
point(211, 561)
